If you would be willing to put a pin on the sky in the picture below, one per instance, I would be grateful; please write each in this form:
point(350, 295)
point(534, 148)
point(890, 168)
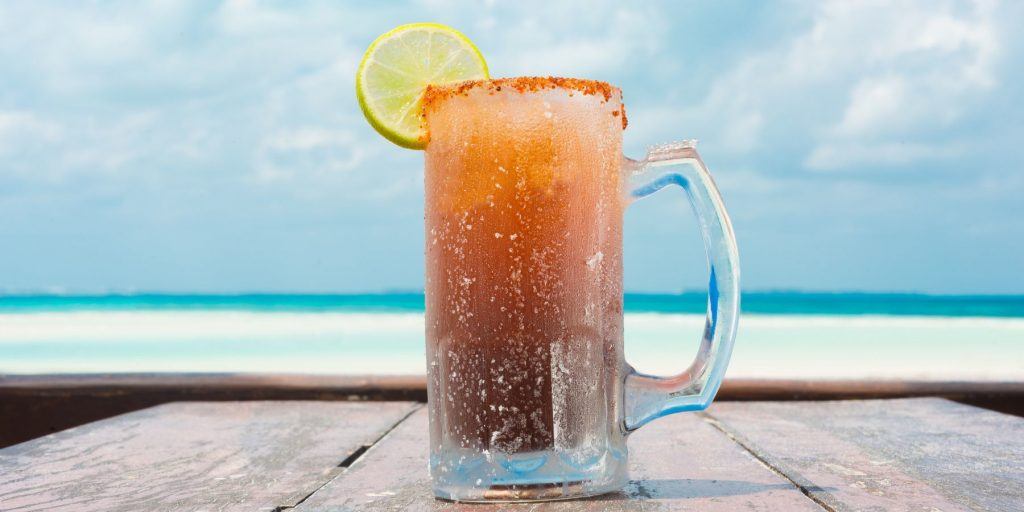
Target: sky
point(218, 148)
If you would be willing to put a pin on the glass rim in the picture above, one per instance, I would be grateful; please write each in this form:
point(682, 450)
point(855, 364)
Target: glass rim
point(435, 94)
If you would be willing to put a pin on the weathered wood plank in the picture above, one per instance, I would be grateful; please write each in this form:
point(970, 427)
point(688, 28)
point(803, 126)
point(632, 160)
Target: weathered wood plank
point(679, 463)
point(894, 455)
point(195, 456)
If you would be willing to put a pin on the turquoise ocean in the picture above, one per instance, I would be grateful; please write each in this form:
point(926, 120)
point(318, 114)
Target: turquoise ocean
point(782, 334)
point(783, 303)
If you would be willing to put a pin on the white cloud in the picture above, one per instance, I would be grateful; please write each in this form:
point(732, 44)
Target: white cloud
point(569, 39)
point(831, 156)
point(873, 105)
point(292, 154)
point(305, 139)
point(124, 146)
point(21, 131)
point(164, 90)
point(859, 75)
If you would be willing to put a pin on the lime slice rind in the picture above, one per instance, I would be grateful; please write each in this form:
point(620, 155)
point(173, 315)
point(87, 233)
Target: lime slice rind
point(397, 68)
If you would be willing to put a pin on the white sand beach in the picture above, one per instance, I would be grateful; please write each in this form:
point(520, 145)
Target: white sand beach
point(768, 346)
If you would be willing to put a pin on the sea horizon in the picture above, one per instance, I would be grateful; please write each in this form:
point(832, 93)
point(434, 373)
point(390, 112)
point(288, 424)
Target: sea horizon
point(774, 302)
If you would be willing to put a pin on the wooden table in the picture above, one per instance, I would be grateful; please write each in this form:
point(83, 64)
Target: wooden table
point(922, 454)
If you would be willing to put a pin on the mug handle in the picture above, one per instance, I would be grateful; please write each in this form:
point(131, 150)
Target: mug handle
point(648, 397)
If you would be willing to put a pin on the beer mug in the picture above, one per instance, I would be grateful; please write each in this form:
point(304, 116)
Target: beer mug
point(529, 394)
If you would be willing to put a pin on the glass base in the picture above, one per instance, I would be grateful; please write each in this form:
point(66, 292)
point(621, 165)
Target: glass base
point(532, 476)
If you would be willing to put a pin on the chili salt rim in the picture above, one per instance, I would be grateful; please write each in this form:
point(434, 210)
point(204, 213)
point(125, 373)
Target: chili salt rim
point(434, 94)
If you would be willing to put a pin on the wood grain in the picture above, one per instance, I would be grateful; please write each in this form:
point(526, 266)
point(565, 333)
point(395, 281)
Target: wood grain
point(679, 463)
point(197, 456)
point(894, 455)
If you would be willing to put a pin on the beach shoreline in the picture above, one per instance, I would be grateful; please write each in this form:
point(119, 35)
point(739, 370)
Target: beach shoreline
point(768, 346)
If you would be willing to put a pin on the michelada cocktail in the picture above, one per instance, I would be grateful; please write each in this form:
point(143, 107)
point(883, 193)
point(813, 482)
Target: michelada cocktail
point(529, 396)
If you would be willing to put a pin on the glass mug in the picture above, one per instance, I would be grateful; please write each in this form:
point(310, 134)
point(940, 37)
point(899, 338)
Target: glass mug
point(529, 395)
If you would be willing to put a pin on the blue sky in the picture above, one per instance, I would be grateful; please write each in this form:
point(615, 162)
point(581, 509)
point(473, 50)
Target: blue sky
point(179, 146)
